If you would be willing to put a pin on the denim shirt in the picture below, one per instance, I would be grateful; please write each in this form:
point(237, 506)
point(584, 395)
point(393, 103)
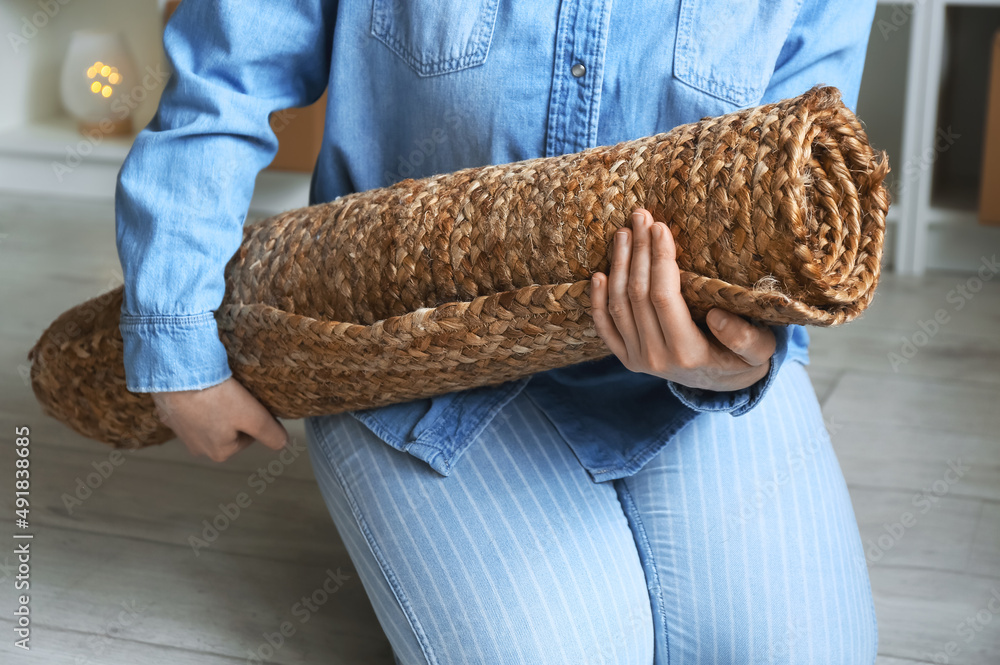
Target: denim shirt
point(419, 87)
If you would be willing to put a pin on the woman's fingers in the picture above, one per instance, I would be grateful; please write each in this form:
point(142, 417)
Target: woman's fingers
point(672, 312)
point(603, 322)
point(642, 316)
point(645, 304)
point(649, 330)
point(220, 420)
point(266, 429)
point(255, 420)
point(619, 305)
point(753, 344)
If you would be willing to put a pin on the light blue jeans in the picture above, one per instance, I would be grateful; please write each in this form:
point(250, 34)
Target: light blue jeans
point(737, 543)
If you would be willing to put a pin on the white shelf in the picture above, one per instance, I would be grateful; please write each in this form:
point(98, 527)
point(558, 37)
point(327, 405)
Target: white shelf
point(962, 247)
point(51, 138)
point(278, 191)
point(51, 158)
point(971, 3)
point(951, 217)
point(932, 229)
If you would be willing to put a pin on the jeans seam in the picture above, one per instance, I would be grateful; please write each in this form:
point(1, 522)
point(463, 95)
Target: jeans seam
point(383, 565)
point(642, 540)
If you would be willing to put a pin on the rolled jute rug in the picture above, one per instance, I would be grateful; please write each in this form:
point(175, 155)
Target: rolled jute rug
point(481, 276)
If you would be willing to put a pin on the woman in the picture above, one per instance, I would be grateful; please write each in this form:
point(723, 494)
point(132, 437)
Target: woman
point(677, 502)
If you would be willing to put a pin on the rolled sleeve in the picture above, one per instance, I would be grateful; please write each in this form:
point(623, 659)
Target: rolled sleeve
point(737, 402)
point(172, 353)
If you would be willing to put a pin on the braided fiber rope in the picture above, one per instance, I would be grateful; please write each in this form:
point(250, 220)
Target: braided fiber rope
point(480, 276)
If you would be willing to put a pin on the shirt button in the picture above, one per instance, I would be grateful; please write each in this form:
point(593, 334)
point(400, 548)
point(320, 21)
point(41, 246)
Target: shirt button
point(578, 70)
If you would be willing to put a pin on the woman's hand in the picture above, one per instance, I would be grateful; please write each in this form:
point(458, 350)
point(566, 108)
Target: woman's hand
point(219, 421)
point(640, 314)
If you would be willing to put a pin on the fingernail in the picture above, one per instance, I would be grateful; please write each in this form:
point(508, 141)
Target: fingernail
point(720, 321)
point(637, 217)
point(621, 236)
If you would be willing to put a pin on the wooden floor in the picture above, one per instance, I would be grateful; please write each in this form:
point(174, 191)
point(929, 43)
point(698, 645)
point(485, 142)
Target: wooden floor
point(115, 579)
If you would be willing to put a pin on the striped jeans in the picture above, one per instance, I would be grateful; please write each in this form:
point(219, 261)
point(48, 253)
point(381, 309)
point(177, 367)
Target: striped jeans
point(737, 543)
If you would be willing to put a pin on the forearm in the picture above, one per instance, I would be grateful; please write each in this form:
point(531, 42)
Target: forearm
point(184, 189)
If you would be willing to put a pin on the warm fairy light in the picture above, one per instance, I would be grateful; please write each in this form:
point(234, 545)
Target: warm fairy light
point(108, 72)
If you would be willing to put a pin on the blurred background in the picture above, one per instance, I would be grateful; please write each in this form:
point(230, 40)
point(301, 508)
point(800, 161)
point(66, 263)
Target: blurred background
point(137, 557)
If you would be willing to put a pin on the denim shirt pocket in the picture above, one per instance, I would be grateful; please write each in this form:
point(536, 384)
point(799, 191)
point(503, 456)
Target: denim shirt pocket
point(436, 37)
point(730, 49)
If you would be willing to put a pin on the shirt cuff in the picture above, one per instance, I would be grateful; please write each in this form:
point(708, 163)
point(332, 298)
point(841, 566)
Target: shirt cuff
point(736, 402)
point(170, 353)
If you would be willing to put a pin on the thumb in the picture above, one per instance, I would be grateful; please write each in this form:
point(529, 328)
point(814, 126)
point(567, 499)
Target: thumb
point(265, 428)
point(755, 345)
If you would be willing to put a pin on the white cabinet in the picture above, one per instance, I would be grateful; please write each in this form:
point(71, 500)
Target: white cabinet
point(923, 100)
